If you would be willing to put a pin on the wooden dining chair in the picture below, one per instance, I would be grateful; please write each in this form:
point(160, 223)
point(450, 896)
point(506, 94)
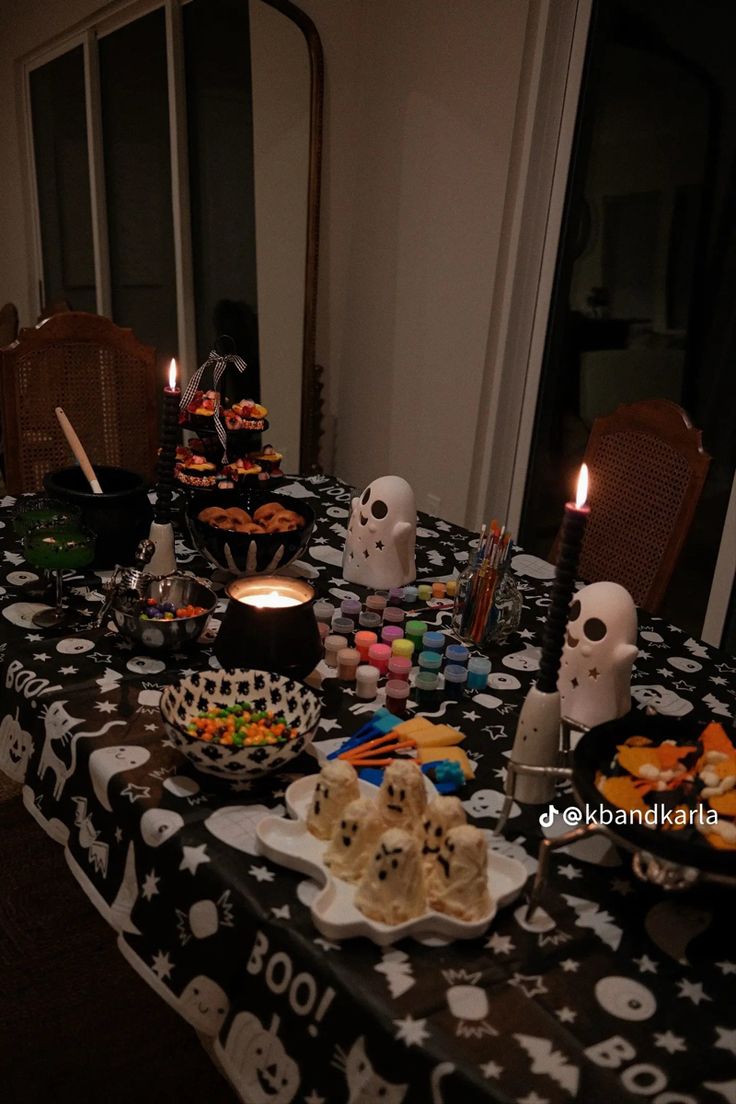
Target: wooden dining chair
point(8, 324)
point(102, 376)
point(647, 469)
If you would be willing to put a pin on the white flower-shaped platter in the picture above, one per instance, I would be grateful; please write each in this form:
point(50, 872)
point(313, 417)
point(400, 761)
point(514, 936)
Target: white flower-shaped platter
point(289, 843)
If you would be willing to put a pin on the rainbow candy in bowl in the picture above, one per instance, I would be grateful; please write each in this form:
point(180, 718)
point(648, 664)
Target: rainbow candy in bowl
point(182, 702)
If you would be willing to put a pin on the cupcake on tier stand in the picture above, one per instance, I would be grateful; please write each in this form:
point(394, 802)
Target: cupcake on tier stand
point(227, 451)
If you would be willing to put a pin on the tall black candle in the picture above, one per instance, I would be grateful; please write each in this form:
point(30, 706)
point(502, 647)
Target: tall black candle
point(167, 451)
point(571, 540)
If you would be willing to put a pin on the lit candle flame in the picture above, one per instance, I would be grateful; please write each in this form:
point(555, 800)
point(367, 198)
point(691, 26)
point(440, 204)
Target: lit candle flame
point(581, 495)
point(172, 375)
point(273, 600)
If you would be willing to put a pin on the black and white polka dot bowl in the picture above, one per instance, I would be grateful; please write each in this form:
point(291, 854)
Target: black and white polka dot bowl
point(181, 702)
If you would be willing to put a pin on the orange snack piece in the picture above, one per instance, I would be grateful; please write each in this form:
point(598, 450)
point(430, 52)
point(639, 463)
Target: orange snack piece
point(622, 791)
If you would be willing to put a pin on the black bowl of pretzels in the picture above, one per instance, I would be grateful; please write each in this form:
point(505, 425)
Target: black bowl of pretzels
point(248, 530)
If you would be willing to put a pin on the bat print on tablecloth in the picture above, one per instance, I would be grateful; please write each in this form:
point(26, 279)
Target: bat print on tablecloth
point(59, 752)
point(89, 837)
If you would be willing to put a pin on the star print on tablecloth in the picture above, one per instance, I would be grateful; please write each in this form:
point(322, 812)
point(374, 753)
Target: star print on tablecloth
point(162, 966)
point(726, 1039)
point(42, 657)
point(193, 857)
point(530, 984)
point(68, 670)
point(491, 1069)
point(281, 913)
point(726, 967)
point(106, 707)
point(692, 990)
point(412, 1032)
point(261, 873)
point(314, 1098)
point(33, 637)
point(569, 871)
point(570, 966)
point(471, 716)
point(150, 885)
point(646, 964)
point(118, 835)
point(135, 793)
point(500, 944)
point(673, 1044)
point(532, 1098)
point(566, 1015)
point(622, 886)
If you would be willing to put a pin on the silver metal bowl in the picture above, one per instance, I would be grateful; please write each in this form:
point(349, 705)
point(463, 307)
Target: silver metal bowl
point(182, 590)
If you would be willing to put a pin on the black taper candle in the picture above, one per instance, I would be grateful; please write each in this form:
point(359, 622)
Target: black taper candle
point(167, 455)
point(563, 588)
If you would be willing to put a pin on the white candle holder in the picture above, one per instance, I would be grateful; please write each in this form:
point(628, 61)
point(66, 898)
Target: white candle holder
point(163, 561)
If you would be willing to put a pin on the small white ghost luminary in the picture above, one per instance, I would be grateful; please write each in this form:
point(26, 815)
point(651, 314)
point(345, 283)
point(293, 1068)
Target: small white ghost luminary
point(379, 549)
point(598, 654)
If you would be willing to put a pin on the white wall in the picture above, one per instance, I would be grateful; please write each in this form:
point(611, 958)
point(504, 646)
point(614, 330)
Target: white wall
point(280, 81)
point(422, 145)
point(419, 113)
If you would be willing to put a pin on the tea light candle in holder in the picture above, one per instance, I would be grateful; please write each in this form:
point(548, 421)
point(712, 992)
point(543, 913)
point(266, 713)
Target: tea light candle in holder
point(162, 531)
point(537, 740)
point(270, 625)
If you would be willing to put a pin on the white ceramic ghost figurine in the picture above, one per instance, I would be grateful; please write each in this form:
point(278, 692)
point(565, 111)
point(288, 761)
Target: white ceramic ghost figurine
point(458, 881)
point(336, 787)
point(392, 887)
point(442, 814)
point(599, 652)
point(356, 834)
point(379, 549)
point(402, 797)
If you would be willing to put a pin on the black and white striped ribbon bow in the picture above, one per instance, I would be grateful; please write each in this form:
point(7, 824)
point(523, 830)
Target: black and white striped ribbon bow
point(218, 363)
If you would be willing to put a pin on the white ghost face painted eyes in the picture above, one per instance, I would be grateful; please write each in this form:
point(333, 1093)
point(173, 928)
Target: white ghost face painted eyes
point(388, 860)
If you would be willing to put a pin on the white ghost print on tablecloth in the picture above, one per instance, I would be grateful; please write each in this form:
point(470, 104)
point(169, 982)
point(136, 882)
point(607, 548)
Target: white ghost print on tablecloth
point(379, 550)
point(457, 883)
point(159, 825)
point(235, 825)
point(525, 660)
point(257, 1063)
point(105, 762)
point(442, 814)
point(392, 887)
point(599, 652)
point(402, 797)
point(662, 700)
point(354, 838)
point(16, 746)
point(335, 788)
point(625, 998)
point(204, 1004)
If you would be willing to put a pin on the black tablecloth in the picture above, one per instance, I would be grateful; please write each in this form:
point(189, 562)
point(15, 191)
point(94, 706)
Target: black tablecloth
point(621, 992)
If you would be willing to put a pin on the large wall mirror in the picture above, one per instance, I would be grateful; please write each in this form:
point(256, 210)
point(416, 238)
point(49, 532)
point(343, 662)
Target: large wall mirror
point(176, 165)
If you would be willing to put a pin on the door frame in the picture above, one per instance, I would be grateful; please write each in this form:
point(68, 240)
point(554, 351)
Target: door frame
point(551, 79)
point(553, 65)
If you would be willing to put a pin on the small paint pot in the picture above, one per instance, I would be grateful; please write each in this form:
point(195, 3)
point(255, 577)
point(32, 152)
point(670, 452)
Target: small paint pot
point(378, 657)
point(456, 679)
point(363, 641)
point(397, 696)
point(366, 682)
point(333, 644)
point(479, 668)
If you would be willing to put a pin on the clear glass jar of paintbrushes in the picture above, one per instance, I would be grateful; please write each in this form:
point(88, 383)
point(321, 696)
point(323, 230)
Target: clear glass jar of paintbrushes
point(487, 603)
